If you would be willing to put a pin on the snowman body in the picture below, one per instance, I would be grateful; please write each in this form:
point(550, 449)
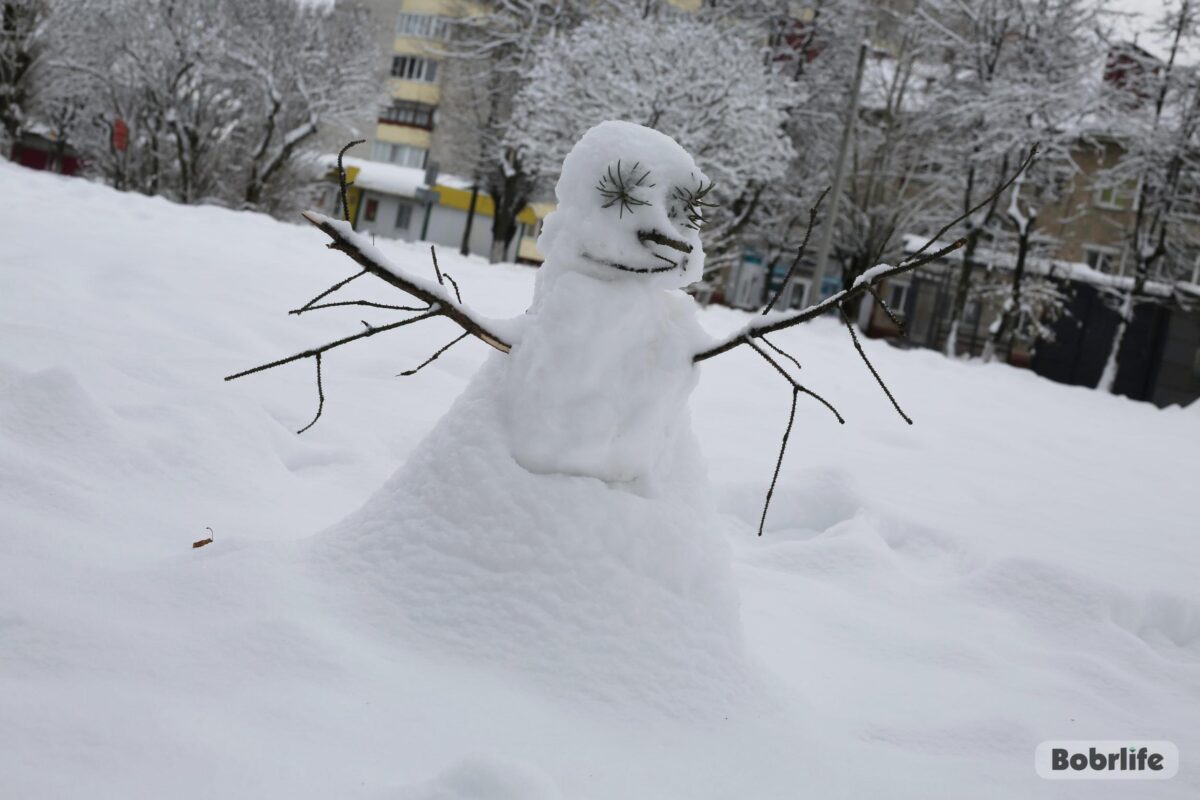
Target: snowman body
point(599, 381)
point(557, 520)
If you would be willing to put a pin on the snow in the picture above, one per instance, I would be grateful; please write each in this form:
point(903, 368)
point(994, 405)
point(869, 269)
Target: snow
point(928, 603)
point(392, 179)
point(1056, 268)
point(620, 180)
point(600, 380)
point(872, 273)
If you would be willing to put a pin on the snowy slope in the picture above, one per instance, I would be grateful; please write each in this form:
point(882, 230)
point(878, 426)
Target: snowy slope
point(928, 603)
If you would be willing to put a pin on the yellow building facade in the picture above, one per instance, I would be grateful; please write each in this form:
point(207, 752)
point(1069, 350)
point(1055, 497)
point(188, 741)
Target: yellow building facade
point(411, 32)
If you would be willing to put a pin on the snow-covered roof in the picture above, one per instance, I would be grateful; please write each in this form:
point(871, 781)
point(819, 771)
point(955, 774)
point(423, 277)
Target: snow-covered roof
point(379, 176)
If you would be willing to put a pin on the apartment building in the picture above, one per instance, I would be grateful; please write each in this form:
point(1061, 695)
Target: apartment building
point(410, 32)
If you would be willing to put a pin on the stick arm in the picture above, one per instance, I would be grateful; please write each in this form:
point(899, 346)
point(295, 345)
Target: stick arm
point(864, 283)
point(360, 249)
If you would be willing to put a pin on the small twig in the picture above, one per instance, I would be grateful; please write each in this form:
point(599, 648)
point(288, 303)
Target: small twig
point(812, 218)
point(432, 358)
point(895, 321)
point(370, 331)
point(326, 293)
point(780, 351)
point(453, 285)
point(870, 366)
point(367, 303)
point(796, 390)
point(1020, 170)
point(762, 521)
point(342, 179)
point(795, 384)
point(203, 542)
point(320, 395)
point(436, 268)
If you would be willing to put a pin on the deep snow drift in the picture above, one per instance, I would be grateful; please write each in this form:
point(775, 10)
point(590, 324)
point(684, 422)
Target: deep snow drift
point(927, 605)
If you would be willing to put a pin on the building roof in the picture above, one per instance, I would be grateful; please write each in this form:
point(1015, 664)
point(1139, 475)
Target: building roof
point(379, 176)
point(1057, 268)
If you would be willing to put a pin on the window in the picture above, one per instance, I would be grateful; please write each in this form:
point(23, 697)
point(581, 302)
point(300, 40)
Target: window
point(1118, 196)
point(971, 312)
point(1108, 197)
point(404, 216)
point(1101, 259)
point(422, 26)
point(897, 298)
point(371, 210)
point(404, 112)
point(414, 68)
point(406, 155)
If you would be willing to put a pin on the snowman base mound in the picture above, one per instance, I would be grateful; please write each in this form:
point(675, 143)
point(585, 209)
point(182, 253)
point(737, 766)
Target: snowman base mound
point(583, 586)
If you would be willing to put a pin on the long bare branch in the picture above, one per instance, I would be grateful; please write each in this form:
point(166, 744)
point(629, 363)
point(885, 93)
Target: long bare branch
point(367, 257)
point(760, 328)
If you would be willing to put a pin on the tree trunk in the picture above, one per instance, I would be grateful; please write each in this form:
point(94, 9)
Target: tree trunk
point(508, 200)
point(1108, 378)
point(961, 291)
point(1012, 308)
point(499, 250)
point(466, 240)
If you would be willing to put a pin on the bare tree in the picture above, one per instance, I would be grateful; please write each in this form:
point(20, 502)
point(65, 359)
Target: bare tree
point(208, 100)
point(1054, 62)
point(895, 179)
point(1005, 62)
point(22, 46)
point(1158, 127)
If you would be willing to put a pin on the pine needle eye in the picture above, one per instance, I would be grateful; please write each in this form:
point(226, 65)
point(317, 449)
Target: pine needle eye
point(616, 186)
point(694, 201)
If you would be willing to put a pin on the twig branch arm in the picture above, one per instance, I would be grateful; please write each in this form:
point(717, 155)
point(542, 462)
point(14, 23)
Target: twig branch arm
point(865, 282)
point(371, 260)
point(767, 325)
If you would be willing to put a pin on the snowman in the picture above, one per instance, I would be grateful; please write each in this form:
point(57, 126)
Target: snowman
point(557, 520)
point(599, 382)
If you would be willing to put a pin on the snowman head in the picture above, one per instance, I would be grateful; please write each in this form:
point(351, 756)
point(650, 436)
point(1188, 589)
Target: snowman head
point(630, 205)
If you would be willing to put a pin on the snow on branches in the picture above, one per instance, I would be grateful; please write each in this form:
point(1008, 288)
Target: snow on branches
point(221, 99)
point(679, 74)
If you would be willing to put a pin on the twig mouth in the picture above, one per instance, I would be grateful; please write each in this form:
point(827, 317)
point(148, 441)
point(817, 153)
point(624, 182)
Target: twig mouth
point(671, 265)
point(664, 240)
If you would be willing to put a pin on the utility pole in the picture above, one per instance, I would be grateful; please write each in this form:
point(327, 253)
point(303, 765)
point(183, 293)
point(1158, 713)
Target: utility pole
point(466, 240)
point(839, 174)
point(428, 195)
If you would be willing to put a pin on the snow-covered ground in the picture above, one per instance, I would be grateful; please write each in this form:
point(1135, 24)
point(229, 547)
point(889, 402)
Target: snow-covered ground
point(927, 605)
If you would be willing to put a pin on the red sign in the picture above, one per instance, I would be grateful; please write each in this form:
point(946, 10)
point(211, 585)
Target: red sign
point(120, 135)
